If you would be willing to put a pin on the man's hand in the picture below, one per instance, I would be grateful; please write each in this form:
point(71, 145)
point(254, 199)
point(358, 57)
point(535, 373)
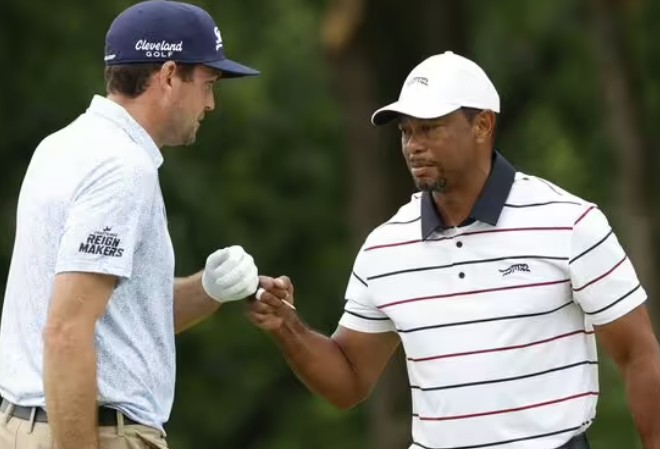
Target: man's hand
point(342, 369)
point(230, 274)
point(273, 306)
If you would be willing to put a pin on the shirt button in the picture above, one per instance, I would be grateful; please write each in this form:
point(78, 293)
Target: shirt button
point(461, 275)
point(459, 244)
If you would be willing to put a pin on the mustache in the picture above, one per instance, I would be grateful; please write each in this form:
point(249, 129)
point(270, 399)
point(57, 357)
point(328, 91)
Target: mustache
point(418, 163)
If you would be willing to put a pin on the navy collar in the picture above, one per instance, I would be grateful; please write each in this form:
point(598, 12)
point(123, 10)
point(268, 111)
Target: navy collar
point(487, 208)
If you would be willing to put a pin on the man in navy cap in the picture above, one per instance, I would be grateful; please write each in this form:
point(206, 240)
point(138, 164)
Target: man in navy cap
point(87, 354)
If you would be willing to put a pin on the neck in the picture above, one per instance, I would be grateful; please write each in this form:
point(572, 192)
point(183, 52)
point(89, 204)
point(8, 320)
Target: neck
point(456, 204)
point(141, 110)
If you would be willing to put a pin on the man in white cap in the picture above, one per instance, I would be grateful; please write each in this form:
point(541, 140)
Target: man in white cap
point(87, 353)
point(496, 283)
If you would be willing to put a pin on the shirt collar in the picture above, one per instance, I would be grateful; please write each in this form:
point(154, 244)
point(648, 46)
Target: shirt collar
point(487, 208)
point(112, 111)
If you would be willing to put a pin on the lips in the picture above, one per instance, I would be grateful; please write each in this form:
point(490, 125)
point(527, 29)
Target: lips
point(420, 170)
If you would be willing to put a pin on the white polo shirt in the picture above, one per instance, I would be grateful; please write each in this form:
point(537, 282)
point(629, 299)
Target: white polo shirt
point(91, 202)
point(496, 316)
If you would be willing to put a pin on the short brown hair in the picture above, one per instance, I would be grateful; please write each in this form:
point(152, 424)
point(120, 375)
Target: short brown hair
point(131, 80)
point(471, 113)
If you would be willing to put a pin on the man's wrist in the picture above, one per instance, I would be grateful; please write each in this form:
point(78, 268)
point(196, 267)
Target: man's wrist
point(291, 327)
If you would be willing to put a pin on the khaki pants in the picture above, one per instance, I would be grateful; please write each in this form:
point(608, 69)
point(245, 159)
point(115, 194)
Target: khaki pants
point(16, 433)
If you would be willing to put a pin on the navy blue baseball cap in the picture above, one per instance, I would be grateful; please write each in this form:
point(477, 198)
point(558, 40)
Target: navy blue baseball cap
point(165, 30)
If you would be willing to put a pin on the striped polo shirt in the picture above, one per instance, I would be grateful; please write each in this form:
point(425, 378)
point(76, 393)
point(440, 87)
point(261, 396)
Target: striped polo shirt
point(496, 316)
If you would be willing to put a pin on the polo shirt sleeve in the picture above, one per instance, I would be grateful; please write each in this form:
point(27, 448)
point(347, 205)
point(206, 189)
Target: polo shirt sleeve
point(105, 219)
point(360, 313)
point(603, 279)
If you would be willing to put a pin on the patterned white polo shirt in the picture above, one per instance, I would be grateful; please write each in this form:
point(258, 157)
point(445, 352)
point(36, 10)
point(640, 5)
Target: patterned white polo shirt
point(91, 202)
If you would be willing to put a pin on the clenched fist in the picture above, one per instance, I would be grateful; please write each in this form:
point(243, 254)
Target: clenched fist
point(230, 275)
point(274, 305)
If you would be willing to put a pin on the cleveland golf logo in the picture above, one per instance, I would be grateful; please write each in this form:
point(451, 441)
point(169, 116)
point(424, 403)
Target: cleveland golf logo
point(162, 49)
point(103, 242)
point(218, 38)
point(514, 268)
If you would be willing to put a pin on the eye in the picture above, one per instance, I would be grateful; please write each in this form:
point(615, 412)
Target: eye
point(429, 127)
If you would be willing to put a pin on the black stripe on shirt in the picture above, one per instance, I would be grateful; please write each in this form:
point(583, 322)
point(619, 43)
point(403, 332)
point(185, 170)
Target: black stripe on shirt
point(485, 320)
point(367, 317)
point(594, 246)
point(550, 186)
point(546, 203)
point(497, 443)
point(359, 279)
point(506, 379)
point(465, 262)
point(595, 312)
point(402, 222)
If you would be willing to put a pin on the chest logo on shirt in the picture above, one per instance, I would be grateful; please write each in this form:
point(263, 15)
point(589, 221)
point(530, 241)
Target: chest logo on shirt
point(514, 268)
point(103, 242)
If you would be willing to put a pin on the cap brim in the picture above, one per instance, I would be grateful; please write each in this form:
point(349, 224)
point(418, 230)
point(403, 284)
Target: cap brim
point(231, 69)
point(392, 111)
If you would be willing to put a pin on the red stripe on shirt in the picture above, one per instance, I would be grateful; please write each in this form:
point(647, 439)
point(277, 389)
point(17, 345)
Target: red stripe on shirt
point(510, 410)
point(389, 245)
point(534, 228)
point(505, 348)
point(586, 212)
point(471, 292)
point(607, 273)
point(489, 231)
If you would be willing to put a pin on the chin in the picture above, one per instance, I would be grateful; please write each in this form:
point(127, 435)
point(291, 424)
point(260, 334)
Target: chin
point(427, 185)
point(189, 139)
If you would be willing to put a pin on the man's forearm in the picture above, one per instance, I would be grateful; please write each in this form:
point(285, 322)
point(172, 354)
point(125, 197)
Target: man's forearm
point(191, 303)
point(319, 363)
point(642, 378)
point(71, 388)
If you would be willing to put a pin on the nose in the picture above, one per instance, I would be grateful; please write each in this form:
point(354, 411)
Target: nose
point(413, 145)
point(210, 103)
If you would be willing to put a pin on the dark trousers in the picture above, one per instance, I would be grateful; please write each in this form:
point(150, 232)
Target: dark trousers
point(577, 442)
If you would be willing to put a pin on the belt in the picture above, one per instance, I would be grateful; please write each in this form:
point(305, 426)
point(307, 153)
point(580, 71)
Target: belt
point(106, 416)
point(577, 442)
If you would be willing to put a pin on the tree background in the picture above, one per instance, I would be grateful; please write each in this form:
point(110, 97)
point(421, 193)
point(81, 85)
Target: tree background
point(290, 167)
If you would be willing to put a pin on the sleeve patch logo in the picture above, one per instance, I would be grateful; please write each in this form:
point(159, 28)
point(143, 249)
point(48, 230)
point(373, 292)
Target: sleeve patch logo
point(103, 242)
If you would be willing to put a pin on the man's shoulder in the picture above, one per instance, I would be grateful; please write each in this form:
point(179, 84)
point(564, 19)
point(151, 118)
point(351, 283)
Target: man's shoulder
point(90, 142)
point(403, 225)
point(536, 201)
point(531, 189)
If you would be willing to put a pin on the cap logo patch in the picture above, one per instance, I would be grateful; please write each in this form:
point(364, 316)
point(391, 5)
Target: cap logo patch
point(161, 49)
point(418, 80)
point(218, 38)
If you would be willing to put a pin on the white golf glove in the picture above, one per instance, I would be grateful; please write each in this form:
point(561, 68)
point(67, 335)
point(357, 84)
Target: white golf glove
point(230, 274)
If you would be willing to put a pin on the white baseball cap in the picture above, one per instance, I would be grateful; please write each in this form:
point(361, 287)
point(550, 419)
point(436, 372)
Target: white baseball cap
point(440, 85)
